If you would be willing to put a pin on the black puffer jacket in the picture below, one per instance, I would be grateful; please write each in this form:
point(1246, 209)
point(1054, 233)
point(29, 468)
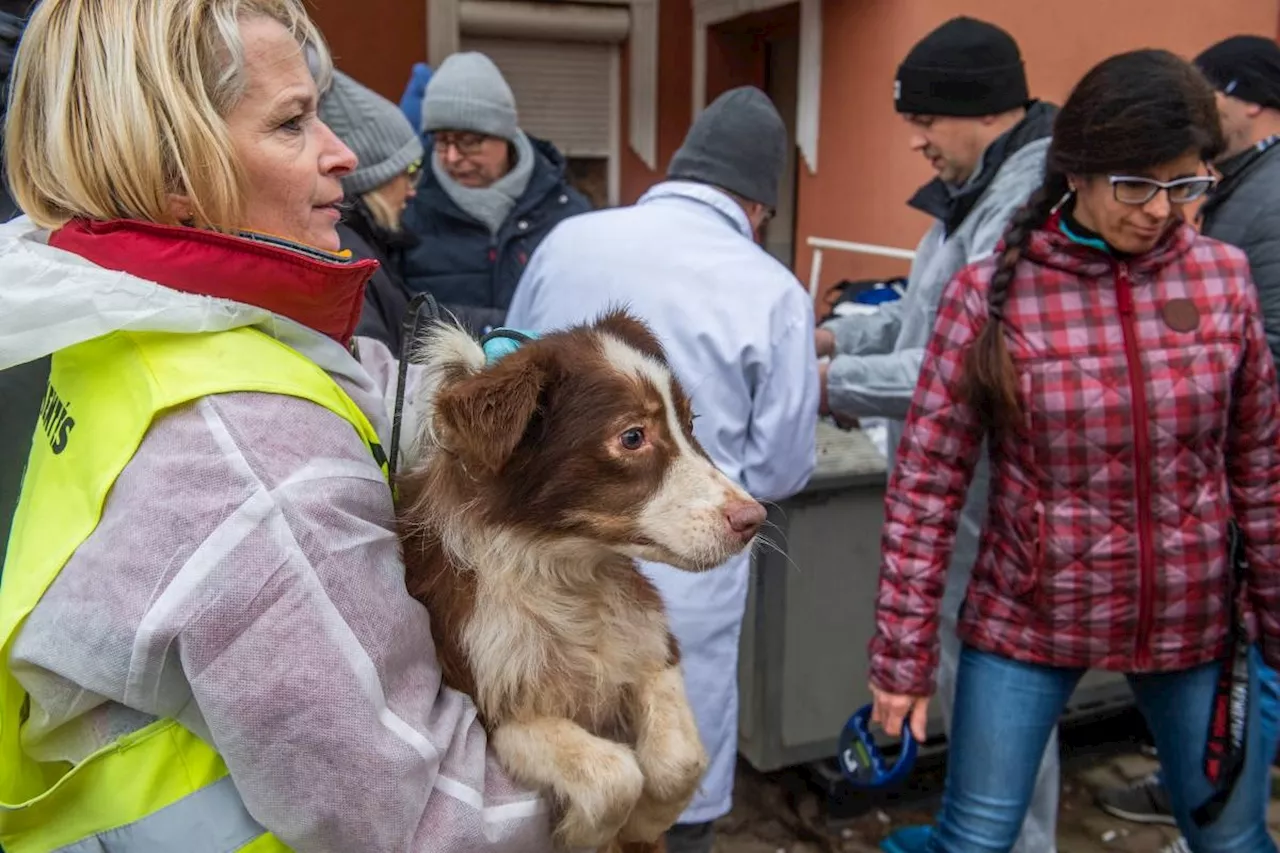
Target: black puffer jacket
point(21, 388)
point(469, 272)
point(13, 19)
point(385, 296)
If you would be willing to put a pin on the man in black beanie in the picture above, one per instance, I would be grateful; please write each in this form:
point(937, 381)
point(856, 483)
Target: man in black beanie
point(963, 93)
point(1244, 209)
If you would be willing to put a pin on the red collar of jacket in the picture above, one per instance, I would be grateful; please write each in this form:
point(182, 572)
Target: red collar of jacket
point(1049, 247)
point(318, 289)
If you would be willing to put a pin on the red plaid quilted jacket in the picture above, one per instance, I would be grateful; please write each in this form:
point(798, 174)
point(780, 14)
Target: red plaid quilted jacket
point(1150, 419)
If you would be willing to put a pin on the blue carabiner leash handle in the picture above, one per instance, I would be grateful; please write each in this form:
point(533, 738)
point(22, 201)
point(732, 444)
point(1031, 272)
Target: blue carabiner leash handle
point(503, 341)
point(861, 761)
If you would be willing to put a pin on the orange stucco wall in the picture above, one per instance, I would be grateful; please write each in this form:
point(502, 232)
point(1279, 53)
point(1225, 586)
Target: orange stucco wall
point(865, 172)
point(375, 41)
point(675, 97)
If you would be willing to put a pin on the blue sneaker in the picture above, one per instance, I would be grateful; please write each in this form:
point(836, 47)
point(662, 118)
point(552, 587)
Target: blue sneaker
point(909, 839)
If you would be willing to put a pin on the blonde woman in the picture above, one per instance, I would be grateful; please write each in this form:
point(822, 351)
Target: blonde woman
point(205, 640)
point(390, 154)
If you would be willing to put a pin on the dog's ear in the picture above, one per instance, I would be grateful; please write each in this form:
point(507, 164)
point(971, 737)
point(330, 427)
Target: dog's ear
point(483, 417)
point(631, 330)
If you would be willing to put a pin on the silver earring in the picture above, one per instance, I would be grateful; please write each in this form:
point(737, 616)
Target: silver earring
point(1066, 197)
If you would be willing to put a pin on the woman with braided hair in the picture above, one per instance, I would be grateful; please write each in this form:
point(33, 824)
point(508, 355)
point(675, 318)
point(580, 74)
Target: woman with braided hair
point(1114, 359)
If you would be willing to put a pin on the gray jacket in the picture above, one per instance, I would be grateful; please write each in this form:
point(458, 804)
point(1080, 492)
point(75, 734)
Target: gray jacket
point(1244, 211)
point(878, 355)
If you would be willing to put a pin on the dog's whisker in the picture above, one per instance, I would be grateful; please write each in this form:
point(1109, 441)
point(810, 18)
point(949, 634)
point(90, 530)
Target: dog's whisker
point(766, 542)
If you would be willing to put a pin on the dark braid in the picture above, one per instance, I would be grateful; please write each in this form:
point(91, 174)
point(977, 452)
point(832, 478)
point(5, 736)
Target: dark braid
point(990, 382)
point(1132, 112)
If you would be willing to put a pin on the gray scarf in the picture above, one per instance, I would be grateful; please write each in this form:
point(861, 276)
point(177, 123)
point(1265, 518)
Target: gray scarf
point(492, 204)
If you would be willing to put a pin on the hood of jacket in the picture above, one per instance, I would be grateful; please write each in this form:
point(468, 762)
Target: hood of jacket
point(386, 244)
point(1048, 246)
point(54, 298)
point(951, 205)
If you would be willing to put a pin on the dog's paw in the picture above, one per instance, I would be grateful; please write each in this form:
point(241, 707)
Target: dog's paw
point(651, 819)
point(673, 766)
point(598, 801)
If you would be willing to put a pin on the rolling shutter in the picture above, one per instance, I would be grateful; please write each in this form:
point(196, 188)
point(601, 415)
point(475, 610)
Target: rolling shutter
point(563, 89)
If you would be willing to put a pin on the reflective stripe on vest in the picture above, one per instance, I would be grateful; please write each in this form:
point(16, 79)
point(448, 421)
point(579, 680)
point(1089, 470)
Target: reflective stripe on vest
point(142, 791)
point(212, 820)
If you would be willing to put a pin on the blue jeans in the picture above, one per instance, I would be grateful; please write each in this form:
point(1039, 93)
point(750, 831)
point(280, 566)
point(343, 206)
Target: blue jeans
point(1004, 712)
point(1268, 699)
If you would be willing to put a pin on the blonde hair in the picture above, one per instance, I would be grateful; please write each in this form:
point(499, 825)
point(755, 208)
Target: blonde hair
point(118, 104)
point(381, 210)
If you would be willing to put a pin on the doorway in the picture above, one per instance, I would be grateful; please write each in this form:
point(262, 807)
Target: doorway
point(763, 49)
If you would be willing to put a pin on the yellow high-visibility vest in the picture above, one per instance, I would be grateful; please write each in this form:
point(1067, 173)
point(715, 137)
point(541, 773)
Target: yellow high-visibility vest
point(160, 788)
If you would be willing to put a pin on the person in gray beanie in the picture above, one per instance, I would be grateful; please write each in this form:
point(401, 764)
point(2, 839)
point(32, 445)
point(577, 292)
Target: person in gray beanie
point(737, 328)
point(489, 196)
point(739, 144)
point(389, 153)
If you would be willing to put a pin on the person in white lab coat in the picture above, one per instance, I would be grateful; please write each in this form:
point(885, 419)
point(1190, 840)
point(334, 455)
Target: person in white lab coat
point(738, 330)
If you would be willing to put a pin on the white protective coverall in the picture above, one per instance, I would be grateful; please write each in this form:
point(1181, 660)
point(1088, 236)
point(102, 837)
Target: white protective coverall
point(245, 579)
point(737, 329)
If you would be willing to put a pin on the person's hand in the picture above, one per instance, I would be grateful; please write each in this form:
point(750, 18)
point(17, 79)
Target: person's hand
point(824, 404)
point(826, 302)
point(824, 342)
point(890, 710)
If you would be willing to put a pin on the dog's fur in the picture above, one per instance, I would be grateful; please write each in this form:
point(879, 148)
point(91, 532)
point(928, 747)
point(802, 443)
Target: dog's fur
point(540, 479)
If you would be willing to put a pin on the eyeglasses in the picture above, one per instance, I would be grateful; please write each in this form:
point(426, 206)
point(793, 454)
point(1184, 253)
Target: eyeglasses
point(468, 144)
point(414, 172)
point(1138, 191)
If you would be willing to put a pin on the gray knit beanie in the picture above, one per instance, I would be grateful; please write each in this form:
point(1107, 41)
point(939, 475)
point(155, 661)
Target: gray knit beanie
point(468, 92)
point(374, 128)
point(739, 144)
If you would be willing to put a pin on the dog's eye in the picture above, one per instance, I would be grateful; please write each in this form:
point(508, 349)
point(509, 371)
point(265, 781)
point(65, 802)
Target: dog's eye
point(632, 439)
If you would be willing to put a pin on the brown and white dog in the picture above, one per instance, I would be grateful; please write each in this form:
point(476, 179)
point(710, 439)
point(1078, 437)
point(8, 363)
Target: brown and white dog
point(540, 479)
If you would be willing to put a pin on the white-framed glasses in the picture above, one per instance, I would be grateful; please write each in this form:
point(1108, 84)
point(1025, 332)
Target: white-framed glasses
point(1130, 189)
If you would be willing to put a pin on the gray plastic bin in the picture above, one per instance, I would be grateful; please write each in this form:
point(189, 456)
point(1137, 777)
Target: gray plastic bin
point(811, 610)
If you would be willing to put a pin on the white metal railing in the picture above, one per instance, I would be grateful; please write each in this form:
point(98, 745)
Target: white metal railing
point(819, 244)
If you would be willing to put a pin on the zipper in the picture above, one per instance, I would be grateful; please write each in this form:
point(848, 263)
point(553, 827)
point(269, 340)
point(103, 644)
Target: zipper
point(1141, 466)
point(1042, 534)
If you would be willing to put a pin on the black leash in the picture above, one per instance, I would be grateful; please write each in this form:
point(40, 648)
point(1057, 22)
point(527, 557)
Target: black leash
point(410, 327)
point(1224, 752)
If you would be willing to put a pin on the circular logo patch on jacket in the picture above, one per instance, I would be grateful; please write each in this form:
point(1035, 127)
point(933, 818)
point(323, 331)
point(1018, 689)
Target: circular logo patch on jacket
point(1181, 315)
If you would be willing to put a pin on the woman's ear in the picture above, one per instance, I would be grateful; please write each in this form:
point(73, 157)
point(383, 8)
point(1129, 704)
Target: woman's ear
point(180, 208)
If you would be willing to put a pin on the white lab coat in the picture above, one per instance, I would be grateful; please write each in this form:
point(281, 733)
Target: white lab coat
point(738, 331)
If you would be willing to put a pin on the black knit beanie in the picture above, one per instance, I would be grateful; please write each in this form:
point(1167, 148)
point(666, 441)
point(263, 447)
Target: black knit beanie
point(963, 68)
point(1245, 67)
